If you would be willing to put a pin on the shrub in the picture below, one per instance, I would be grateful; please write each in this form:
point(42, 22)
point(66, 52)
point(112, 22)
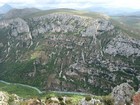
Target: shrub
point(62, 103)
point(48, 97)
point(68, 101)
point(60, 98)
point(88, 98)
point(11, 99)
point(108, 100)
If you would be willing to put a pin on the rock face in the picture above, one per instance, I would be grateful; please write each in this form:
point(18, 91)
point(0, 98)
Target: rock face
point(4, 97)
point(68, 24)
point(123, 46)
point(9, 99)
point(90, 102)
point(122, 94)
point(68, 52)
point(18, 28)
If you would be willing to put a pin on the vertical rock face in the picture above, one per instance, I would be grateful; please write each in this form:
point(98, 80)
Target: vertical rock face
point(85, 53)
point(122, 94)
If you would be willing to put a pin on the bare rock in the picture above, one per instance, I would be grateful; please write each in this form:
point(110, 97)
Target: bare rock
point(123, 45)
point(92, 101)
point(122, 94)
point(4, 98)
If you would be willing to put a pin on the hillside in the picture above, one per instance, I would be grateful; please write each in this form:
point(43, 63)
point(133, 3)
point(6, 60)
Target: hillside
point(130, 24)
point(68, 50)
point(133, 21)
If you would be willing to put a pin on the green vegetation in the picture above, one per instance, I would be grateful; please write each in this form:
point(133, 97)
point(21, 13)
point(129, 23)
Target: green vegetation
point(108, 100)
point(27, 92)
point(127, 25)
point(76, 99)
point(34, 64)
point(16, 71)
point(88, 98)
point(18, 89)
point(129, 20)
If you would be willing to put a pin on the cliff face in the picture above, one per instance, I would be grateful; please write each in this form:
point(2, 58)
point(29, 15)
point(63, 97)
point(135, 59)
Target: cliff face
point(123, 45)
point(65, 51)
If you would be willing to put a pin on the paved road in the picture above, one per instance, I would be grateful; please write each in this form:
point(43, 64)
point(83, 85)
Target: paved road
point(40, 92)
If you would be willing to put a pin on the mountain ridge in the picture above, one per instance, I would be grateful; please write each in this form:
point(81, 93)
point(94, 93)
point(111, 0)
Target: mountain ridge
point(13, 13)
point(5, 8)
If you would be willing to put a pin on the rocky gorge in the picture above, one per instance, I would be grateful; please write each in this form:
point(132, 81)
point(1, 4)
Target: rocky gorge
point(68, 51)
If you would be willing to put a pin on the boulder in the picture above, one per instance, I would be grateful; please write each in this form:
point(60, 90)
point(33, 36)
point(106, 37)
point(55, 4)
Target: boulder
point(122, 94)
point(91, 101)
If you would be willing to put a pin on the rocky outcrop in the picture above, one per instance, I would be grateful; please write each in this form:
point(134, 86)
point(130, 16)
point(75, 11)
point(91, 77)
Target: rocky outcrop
point(4, 98)
point(70, 24)
point(122, 94)
point(18, 28)
point(9, 99)
point(91, 101)
point(123, 45)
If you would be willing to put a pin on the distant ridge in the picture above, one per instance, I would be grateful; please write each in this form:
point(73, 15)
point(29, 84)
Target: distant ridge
point(13, 13)
point(5, 8)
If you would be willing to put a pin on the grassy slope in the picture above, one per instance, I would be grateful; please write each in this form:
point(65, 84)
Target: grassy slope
point(18, 89)
point(129, 20)
point(130, 25)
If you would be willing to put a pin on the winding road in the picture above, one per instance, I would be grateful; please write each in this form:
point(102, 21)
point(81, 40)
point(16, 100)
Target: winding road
point(40, 92)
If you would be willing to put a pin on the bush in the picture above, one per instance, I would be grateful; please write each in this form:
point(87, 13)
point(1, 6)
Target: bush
point(60, 98)
point(88, 98)
point(68, 101)
point(108, 100)
point(62, 103)
point(11, 99)
point(48, 97)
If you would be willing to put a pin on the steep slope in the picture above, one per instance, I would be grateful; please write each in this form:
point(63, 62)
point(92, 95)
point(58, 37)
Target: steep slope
point(70, 51)
point(129, 20)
